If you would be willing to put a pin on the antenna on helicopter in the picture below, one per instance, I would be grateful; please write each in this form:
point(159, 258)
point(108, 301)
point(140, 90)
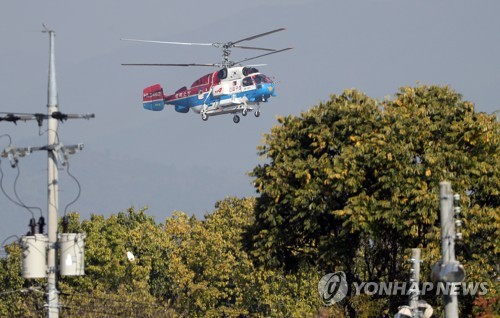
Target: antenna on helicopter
point(226, 50)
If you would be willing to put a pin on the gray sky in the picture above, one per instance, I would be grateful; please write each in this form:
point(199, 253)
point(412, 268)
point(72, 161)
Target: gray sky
point(171, 161)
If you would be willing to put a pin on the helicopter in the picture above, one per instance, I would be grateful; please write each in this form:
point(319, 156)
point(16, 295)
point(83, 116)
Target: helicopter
point(233, 89)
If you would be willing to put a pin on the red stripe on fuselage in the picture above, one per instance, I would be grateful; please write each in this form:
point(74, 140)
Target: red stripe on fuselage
point(202, 85)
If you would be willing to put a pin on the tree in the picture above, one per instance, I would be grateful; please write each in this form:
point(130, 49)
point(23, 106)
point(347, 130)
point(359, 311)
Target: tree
point(352, 184)
point(113, 284)
point(211, 274)
point(184, 267)
point(18, 297)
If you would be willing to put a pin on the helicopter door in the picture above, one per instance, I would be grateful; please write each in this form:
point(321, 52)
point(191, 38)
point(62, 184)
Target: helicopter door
point(200, 94)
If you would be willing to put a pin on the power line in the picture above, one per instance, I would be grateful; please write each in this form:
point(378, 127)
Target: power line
point(17, 196)
point(79, 189)
point(2, 246)
point(6, 195)
point(22, 291)
point(19, 202)
point(117, 307)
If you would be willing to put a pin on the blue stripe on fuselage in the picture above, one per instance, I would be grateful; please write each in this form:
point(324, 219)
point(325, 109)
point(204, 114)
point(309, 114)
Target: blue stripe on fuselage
point(265, 91)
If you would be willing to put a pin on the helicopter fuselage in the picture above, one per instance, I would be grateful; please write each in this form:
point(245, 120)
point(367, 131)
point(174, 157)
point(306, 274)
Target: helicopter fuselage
point(229, 90)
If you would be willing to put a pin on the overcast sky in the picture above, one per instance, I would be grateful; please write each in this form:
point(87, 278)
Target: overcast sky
point(171, 161)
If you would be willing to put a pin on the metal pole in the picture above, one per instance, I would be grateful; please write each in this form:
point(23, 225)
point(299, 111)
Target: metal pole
point(415, 279)
point(447, 242)
point(52, 177)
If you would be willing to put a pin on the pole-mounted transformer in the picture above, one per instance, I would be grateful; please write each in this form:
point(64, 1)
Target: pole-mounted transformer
point(40, 251)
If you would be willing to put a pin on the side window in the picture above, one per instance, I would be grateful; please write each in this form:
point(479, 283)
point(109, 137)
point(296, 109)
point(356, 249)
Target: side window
point(222, 74)
point(247, 81)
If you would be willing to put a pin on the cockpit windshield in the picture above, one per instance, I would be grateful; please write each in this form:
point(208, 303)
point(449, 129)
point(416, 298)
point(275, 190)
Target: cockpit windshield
point(261, 78)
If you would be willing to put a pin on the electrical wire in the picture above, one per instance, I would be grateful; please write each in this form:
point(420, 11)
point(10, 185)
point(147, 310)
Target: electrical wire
point(116, 307)
point(109, 299)
point(19, 202)
point(13, 292)
point(8, 136)
point(79, 189)
point(40, 133)
point(2, 246)
point(19, 199)
point(24, 290)
point(92, 311)
point(9, 237)
point(29, 298)
point(8, 197)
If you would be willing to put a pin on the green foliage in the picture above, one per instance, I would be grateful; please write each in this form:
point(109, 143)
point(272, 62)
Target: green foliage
point(212, 275)
point(112, 284)
point(183, 268)
point(18, 297)
point(352, 184)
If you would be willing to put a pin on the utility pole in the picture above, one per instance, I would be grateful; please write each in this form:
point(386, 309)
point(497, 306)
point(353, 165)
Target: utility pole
point(53, 189)
point(447, 242)
point(448, 270)
point(40, 259)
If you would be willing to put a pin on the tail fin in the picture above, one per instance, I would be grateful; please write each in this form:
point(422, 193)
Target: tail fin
point(152, 98)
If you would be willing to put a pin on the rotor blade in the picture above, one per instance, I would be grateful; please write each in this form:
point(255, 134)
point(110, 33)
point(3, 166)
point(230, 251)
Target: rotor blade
point(258, 35)
point(165, 42)
point(254, 48)
point(168, 64)
point(255, 57)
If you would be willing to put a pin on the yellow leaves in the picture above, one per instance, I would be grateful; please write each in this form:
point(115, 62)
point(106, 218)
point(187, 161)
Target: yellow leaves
point(431, 160)
point(341, 212)
point(373, 169)
point(410, 91)
point(277, 198)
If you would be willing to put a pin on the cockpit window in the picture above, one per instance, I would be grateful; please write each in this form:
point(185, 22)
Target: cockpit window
point(247, 81)
point(260, 78)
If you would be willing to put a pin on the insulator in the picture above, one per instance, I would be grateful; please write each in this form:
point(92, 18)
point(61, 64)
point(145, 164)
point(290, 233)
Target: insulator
point(32, 226)
point(41, 224)
point(65, 223)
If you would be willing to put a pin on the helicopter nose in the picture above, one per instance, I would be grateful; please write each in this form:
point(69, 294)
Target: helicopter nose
point(271, 89)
